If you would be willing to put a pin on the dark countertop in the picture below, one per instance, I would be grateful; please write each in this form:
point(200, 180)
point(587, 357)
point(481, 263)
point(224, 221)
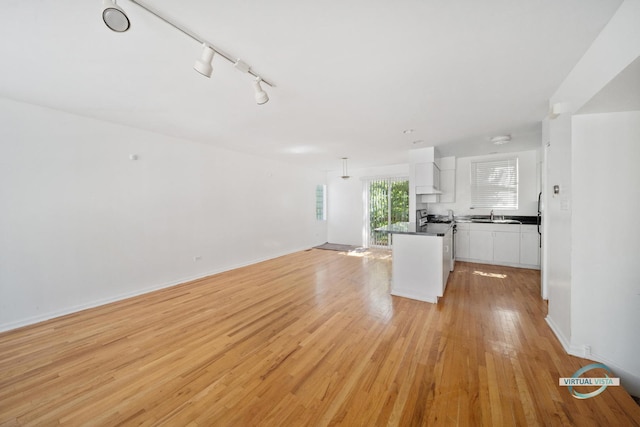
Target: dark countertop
point(528, 220)
point(429, 229)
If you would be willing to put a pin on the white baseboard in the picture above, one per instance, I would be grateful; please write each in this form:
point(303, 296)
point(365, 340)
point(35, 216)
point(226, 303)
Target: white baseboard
point(628, 380)
point(19, 323)
point(564, 341)
point(506, 264)
point(413, 295)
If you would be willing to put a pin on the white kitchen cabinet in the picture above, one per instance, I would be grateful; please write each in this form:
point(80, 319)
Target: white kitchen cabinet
point(506, 246)
point(448, 186)
point(502, 244)
point(480, 244)
point(529, 246)
point(420, 266)
point(462, 241)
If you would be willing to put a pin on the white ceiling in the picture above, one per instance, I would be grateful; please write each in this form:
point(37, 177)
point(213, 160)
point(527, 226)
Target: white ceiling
point(350, 75)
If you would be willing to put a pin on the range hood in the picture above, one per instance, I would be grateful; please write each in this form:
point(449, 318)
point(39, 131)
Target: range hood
point(427, 189)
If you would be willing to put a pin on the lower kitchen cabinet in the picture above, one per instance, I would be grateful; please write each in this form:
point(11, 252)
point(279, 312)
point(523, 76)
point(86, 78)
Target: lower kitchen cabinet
point(529, 246)
point(506, 247)
point(502, 244)
point(462, 241)
point(481, 245)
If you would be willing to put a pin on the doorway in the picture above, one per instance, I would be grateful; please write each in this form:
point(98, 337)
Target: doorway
point(386, 202)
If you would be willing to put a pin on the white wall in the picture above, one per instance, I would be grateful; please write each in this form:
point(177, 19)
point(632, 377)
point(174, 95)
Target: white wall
point(617, 46)
point(345, 205)
point(605, 295)
point(81, 224)
point(527, 188)
point(557, 228)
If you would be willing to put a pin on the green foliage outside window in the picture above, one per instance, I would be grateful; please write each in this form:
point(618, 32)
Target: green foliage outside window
point(388, 204)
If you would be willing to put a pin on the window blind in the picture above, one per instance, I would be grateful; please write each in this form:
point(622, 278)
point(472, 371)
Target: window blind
point(494, 184)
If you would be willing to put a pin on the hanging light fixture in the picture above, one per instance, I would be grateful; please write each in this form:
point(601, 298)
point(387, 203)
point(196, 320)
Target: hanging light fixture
point(203, 65)
point(345, 173)
point(261, 95)
point(114, 17)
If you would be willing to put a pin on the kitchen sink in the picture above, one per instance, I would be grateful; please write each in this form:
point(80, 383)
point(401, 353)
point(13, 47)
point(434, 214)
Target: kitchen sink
point(496, 221)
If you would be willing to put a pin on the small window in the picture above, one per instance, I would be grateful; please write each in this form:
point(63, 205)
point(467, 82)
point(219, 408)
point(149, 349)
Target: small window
point(494, 184)
point(321, 202)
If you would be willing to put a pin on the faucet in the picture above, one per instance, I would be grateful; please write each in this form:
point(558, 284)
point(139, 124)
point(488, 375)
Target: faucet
point(491, 215)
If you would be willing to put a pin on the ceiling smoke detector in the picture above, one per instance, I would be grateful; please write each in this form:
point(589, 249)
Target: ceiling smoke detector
point(501, 139)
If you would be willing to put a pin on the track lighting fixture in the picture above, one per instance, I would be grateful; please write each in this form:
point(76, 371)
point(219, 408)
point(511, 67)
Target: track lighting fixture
point(261, 95)
point(203, 65)
point(115, 18)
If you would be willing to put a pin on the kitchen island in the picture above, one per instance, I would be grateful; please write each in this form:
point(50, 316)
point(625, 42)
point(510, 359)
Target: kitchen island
point(421, 259)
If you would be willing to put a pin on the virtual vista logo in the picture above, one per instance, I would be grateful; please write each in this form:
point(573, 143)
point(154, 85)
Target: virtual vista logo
point(601, 382)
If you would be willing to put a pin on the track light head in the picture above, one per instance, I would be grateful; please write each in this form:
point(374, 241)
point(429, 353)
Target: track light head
point(114, 17)
point(203, 65)
point(261, 95)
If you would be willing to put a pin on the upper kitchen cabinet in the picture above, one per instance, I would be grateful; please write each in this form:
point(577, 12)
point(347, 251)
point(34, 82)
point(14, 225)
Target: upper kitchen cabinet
point(448, 179)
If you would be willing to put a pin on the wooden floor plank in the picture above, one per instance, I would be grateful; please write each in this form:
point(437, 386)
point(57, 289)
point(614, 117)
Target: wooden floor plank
point(312, 338)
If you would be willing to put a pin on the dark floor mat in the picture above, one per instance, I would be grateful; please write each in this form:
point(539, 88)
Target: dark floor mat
point(341, 248)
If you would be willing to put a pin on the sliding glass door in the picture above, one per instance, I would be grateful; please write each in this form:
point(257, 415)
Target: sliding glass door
point(386, 202)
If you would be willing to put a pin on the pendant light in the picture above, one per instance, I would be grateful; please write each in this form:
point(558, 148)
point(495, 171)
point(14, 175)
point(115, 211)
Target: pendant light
point(345, 173)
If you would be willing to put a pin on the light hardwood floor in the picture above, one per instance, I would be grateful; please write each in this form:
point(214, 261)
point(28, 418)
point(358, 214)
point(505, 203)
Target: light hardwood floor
point(312, 338)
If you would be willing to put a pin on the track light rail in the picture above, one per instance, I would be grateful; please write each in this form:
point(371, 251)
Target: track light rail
point(197, 38)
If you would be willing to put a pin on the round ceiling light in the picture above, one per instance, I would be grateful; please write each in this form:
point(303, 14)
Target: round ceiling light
point(501, 139)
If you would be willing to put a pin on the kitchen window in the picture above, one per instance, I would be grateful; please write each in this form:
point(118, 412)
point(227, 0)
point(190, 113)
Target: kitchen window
point(494, 184)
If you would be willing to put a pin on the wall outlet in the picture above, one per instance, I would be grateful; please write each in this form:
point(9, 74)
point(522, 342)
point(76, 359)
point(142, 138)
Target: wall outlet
point(197, 258)
point(587, 351)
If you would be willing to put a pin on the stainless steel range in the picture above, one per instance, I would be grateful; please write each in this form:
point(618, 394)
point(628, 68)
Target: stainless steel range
point(423, 218)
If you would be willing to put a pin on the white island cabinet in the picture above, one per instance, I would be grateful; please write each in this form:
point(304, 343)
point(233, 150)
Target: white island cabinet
point(421, 262)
